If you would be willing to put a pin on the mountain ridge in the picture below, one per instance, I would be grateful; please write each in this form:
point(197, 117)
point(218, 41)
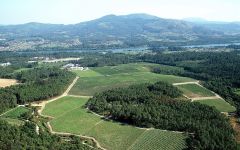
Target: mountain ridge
point(120, 31)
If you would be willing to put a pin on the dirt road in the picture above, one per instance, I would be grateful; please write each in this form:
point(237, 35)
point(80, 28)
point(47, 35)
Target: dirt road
point(43, 103)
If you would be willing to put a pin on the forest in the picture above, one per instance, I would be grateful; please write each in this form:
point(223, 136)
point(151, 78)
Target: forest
point(25, 137)
point(219, 71)
point(158, 106)
point(144, 105)
point(35, 84)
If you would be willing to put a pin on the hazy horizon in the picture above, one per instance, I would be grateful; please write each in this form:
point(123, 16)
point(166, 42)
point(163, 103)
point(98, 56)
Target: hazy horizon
point(76, 11)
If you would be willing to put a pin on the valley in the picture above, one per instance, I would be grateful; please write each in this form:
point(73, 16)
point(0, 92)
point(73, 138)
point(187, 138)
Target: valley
point(120, 75)
point(110, 134)
point(70, 113)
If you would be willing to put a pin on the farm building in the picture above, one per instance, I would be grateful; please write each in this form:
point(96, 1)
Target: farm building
point(74, 67)
point(5, 64)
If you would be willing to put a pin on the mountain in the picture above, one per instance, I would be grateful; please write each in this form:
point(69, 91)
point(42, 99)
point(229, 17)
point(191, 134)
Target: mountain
point(195, 20)
point(226, 27)
point(118, 31)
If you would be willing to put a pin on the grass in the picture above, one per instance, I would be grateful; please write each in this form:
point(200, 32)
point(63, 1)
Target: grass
point(86, 73)
point(99, 79)
point(16, 112)
point(219, 104)
point(148, 141)
point(114, 135)
point(124, 68)
point(90, 86)
point(194, 90)
point(11, 121)
point(70, 116)
point(69, 109)
point(132, 67)
point(52, 64)
point(22, 69)
point(237, 91)
point(14, 116)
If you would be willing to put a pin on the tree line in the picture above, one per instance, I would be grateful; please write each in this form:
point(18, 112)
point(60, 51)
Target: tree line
point(25, 137)
point(35, 84)
point(158, 105)
point(220, 71)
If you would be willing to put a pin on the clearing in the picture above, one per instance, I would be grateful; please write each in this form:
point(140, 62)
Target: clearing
point(220, 104)
point(198, 93)
point(7, 82)
point(86, 73)
point(130, 68)
point(91, 85)
point(195, 91)
point(13, 116)
point(99, 79)
point(69, 115)
point(16, 112)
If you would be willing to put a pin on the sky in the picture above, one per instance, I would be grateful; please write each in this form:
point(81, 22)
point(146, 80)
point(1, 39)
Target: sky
point(75, 11)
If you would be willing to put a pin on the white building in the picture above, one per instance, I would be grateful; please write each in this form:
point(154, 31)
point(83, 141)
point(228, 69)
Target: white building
point(74, 67)
point(5, 64)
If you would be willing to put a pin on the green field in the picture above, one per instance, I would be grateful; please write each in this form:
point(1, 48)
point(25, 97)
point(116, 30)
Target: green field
point(120, 76)
point(13, 116)
point(132, 67)
point(219, 104)
point(86, 73)
point(70, 116)
point(22, 69)
point(237, 91)
point(147, 141)
point(125, 68)
point(16, 112)
point(11, 121)
point(92, 85)
point(194, 90)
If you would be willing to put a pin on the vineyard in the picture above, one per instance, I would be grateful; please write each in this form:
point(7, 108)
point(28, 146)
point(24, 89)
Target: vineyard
point(110, 77)
point(194, 90)
point(110, 134)
point(164, 138)
point(219, 104)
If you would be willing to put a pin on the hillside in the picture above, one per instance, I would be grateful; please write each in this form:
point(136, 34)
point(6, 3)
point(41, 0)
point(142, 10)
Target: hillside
point(116, 31)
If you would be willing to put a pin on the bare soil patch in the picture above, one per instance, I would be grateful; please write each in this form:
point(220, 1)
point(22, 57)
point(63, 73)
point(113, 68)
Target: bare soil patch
point(7, 82)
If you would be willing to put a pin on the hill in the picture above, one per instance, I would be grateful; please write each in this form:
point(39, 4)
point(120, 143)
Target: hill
point(116, 31)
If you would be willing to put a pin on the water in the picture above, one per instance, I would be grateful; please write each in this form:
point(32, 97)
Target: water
point(210, 45)
point(119, 50)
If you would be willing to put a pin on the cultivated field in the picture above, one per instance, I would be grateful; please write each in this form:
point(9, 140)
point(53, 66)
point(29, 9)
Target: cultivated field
point(130, 68)
point(90, 86)
point(86, 73)
point(145, 141)
point(220, 105)
point(194, 91)
point(120, 76)
point(7, 82)
point(70, 116)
